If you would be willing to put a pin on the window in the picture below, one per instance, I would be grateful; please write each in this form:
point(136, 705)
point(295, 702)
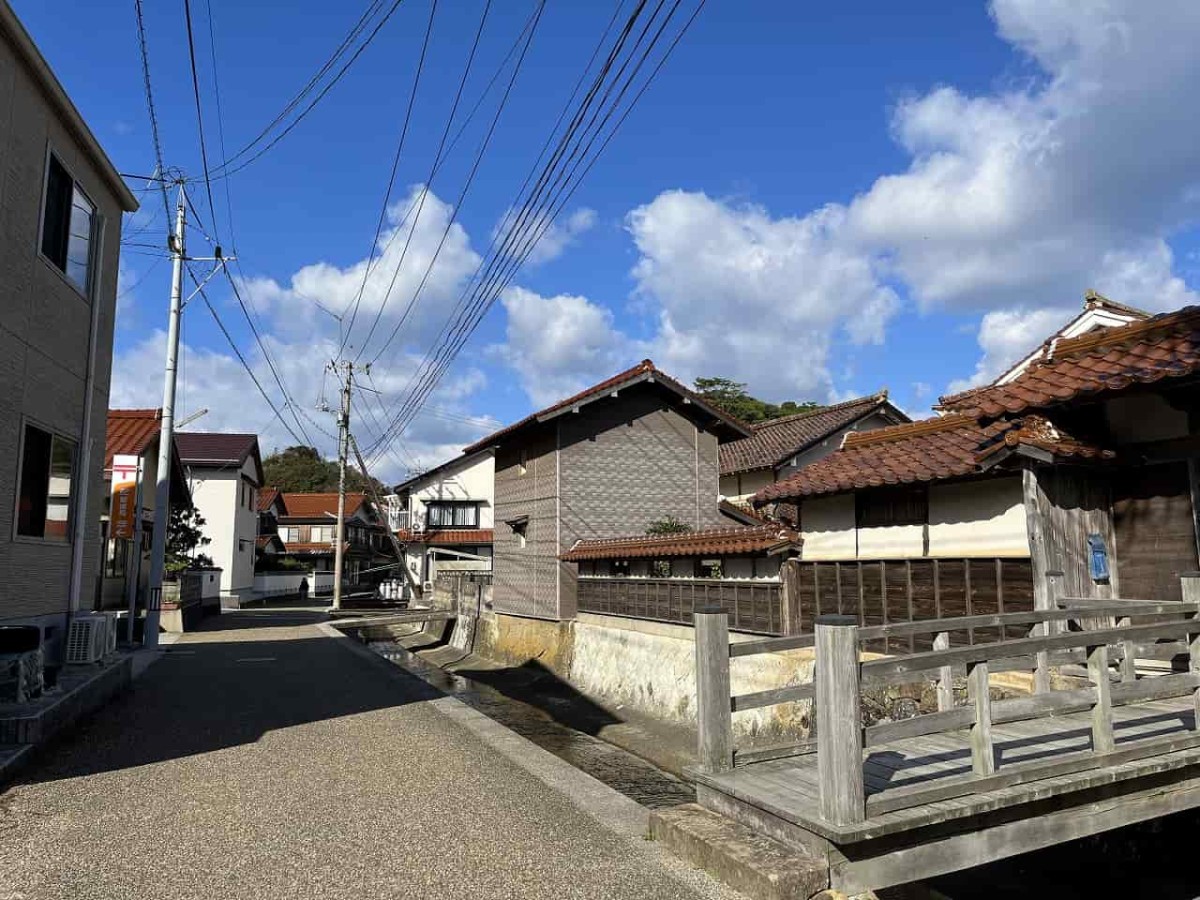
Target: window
point(708, 568)
point(901, 505)
point(520, 528)
point(67, 225)
point(289, 534)
point(322, 534)
point(660, 568)
point(619, 568)
point(117, 558)
point(44, 501)
point(452, 514)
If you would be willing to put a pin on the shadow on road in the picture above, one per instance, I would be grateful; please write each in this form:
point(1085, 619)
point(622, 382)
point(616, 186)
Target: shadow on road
point(243, 675)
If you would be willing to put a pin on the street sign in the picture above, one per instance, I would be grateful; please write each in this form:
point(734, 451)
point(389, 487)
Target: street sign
point(122, 515)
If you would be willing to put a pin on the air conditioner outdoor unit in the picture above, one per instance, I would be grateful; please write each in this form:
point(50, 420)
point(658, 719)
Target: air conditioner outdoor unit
point(87, 640)
point(111, 633)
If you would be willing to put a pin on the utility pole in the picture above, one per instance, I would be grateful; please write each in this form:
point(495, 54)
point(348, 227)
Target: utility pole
point(166, 435)
point(339, 548)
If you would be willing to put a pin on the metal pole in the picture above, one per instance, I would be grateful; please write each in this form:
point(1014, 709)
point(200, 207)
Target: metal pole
point(166, 437)
point(133, 565)
point(343, 452)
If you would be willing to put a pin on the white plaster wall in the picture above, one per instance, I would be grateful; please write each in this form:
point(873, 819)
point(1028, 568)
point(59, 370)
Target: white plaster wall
point(827, 525)
point(891, 542)
point(650, 666)
point(473, 479)
point(229, 524)
point(745, 484)
point(978, 518)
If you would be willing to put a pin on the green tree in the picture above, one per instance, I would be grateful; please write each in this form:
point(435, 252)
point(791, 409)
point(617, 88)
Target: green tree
point(668, 525)
point(732, 397)
point(304, 470)
point(184, 536)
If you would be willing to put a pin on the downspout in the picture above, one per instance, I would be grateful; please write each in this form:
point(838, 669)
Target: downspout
point(80, 527)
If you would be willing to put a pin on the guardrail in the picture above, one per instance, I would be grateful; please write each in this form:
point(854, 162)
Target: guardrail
point(840, 673)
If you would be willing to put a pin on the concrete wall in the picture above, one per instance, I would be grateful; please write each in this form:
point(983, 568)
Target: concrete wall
point(230, 524)
point(645, 666)
point(985, 517)
point(44, 329)
point(526, 577)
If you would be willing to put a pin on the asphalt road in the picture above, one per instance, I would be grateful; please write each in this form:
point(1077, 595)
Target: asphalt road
point(259, 759)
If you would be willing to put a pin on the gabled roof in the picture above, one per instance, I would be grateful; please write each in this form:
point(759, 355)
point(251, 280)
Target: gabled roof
point(1101, 362)
point(776, 440)
point(267, 498)
point(319, 505)
point(717, 542)
point(465, 457)
point(206, 448)
point(948, 447)
point(643, 372)
point(130, 432)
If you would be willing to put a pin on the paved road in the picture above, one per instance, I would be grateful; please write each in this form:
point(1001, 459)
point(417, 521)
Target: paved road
point(261, 759)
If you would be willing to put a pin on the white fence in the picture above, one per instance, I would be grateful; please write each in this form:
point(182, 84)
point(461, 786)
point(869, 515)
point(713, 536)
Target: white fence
point(275, 584)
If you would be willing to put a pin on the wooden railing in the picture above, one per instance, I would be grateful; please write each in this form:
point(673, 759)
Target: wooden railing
point(841, 673)
point(753, 606)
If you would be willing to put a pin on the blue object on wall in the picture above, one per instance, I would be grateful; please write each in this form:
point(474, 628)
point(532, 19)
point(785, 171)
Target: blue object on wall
point(1097, 558)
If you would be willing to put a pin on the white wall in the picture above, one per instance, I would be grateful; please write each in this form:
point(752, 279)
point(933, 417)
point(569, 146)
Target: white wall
point(471, 479)
point(970, 518)
point(827, 526)
point(229, 523)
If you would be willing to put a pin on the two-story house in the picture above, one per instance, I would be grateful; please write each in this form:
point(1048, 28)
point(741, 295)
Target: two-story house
point(225, 474)
point(308, 529)
point(604, 463)
point(61, 202)
point(445, 516)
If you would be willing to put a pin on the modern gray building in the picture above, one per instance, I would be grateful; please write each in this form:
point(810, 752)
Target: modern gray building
point(604, 463)
point(61, 202)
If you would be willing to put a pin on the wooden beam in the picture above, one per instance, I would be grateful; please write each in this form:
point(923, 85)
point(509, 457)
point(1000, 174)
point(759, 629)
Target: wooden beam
point(983, 754)
point(714, 716)
point(1102, 721)
point(788, 694)
point(839, 722)
point(945, 683)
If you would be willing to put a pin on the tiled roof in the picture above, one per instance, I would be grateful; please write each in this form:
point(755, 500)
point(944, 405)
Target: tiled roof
point(1111, 359)
point(213, 448)
point(320, 547)
point(776, 439)
point(953, 446)
point(316, 506)
point(263, 541)
point(718, 542)
point(129, 432)
point(644, 370)
point(266, 497)
point(447, 536)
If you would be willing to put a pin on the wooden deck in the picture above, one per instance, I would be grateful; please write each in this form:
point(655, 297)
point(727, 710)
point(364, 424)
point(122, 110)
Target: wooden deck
point(1103, 746)
point(1028, 753)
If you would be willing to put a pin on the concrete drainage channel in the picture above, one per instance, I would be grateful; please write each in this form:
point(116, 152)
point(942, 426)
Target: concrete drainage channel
point(624, 772)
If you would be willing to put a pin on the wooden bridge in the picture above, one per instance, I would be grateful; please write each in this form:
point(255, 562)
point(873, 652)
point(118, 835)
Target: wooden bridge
point(1100, 743)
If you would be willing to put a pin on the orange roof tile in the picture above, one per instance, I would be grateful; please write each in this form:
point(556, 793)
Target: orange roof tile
point(1107, 360)
point(129, 432)
point(447, 536)
point(717, 542)
point(319, 505)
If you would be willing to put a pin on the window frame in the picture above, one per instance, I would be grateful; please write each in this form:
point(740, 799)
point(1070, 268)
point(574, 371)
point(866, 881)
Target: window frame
point(915, 495)
point(85, 291)
point(54, 433)
point(451, 506)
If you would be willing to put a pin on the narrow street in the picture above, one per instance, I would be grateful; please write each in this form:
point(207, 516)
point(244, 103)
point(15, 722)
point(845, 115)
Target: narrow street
point(262, 758)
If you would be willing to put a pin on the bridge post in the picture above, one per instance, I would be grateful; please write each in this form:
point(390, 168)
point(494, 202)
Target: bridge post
point(714, 710)
point(1102, 723)
point(839, 722)
point(983, 756)
point(1190, 584)
point(945, 682)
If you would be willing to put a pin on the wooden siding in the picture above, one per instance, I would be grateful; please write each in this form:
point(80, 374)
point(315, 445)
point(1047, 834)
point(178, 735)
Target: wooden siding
point(1155, 531)
point(753, 606)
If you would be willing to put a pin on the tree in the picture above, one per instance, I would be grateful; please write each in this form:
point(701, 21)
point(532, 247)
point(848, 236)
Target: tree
point(304, 470)
point(668, 525)
point(732, 397)
point(184, 537)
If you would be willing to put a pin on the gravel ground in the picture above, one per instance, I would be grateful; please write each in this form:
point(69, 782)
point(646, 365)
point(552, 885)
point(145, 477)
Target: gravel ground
point(259, 759)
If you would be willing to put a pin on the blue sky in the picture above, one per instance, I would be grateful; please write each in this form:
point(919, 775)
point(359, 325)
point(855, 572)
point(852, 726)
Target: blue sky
point(819, 203)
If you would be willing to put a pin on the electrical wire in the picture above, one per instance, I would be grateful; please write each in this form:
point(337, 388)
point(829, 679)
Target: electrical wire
point(212, 207)
point(387, 196)
point(154, 135)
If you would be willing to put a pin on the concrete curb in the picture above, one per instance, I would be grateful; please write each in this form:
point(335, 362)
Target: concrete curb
point(609, 807)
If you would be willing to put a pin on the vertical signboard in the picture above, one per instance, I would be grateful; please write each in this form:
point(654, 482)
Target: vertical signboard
point(122, 515)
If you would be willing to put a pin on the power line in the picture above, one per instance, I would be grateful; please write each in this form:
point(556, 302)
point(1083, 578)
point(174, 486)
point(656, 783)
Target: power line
point(387, 196)
point(224, 170)
point(439, 358)
point(245, 365)
point(460, 200)
point(187, 15)
point(158, 154)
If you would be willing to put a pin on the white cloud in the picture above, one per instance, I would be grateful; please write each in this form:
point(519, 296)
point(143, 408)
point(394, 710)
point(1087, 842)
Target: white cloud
point(559, 345)
point(1005, 336)
point(556, 237)
point(300, 338)
point(760, 299)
